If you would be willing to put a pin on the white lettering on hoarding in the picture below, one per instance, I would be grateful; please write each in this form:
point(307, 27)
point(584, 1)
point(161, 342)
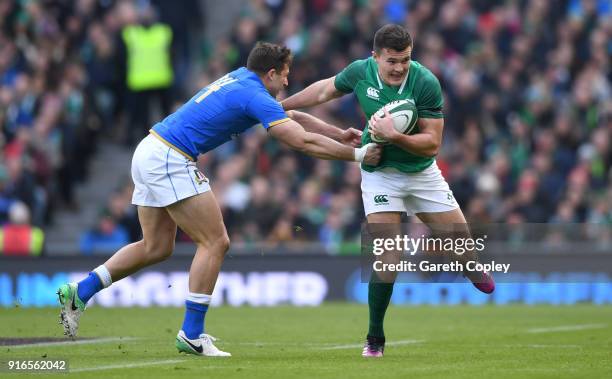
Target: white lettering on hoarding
point(233, 288)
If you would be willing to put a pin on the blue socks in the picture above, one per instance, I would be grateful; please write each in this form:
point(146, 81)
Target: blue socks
point(98, 279)
point(193, 325)
point(196, 306)
point(89, 287)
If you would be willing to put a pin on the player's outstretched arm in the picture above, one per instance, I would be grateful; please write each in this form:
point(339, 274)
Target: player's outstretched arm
point(315, 94)
point(319, 146)
point(314, 124)
point(426, 143)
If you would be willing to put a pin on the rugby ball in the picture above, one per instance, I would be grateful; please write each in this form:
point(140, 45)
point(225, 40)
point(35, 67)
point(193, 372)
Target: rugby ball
point(404, 114)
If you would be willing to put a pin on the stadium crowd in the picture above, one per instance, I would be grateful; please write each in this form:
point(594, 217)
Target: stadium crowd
point(63, 68)
point(528, 107)
point(528, 112)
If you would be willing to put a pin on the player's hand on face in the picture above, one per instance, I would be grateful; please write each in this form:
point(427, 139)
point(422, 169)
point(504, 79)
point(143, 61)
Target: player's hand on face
point(351, 137)
point(373, 154)
point(382, 127)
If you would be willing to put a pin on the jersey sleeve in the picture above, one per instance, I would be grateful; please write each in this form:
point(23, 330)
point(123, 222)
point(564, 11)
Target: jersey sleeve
point(266, 110)
point(430, 101)
point(347, 79)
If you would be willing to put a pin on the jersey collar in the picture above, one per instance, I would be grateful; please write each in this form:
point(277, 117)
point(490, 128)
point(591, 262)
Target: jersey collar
point(254, 76)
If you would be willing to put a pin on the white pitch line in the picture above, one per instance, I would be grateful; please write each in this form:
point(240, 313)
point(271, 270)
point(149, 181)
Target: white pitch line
point(356, 345)
point(296, 344)
point(323, 345)
point(266, 343)
point(130, 365)
point(538, 346)
point(537, 369)
point(566, 328)
point(70, 342)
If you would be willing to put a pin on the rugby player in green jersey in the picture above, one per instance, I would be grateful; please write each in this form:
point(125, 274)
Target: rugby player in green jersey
point(407, 179)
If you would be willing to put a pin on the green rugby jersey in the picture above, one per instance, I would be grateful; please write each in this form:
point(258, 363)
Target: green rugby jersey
point(420, 86)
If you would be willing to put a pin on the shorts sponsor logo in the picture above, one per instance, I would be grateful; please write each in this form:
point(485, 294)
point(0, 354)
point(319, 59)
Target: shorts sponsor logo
point(449, 197)
point(199, 177)
point(372, 93)
point(381, 199)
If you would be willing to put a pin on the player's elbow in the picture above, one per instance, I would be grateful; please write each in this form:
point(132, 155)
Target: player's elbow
point(298, 142)
point(323, 97)
point(328, 91)
point(433, 150)
point(303, 143)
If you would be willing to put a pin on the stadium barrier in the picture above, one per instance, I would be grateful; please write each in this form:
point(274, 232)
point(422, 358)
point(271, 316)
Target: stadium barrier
point(303, 280)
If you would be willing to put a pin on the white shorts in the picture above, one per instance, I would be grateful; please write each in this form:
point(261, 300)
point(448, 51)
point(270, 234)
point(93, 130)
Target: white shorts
point(163, 176)
point(389, 190)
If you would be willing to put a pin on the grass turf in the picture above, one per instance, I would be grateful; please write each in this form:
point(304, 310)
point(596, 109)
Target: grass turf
point(324, 342)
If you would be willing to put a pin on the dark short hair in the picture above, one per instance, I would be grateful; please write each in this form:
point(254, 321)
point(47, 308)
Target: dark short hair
point(266, 56)
point(392, 36)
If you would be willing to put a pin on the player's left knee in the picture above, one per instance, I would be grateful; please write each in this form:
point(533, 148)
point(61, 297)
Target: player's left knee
point(158, 251)
point(223, 243)
point(217, 245)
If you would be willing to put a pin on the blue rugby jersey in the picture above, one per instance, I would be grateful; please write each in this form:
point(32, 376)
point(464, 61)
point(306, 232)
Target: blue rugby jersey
point(219, 112)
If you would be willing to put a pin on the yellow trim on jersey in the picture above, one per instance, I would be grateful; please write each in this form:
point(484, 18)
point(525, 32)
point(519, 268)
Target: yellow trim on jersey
point(279, 121)
point(171, 145)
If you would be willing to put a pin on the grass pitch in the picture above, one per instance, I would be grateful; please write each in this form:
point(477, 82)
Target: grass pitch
point(325, 342)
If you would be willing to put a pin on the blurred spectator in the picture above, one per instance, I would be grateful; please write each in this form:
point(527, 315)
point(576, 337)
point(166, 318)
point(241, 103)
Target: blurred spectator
point(146, 54)
point(120, 209)
point(18, 237)
point(330, 233)
point(186, 20)
point(106, 237)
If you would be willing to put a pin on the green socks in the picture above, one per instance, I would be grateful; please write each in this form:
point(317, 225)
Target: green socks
point(379, 295)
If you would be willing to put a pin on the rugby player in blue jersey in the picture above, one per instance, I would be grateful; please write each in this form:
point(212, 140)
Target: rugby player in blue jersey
point(170, 191)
